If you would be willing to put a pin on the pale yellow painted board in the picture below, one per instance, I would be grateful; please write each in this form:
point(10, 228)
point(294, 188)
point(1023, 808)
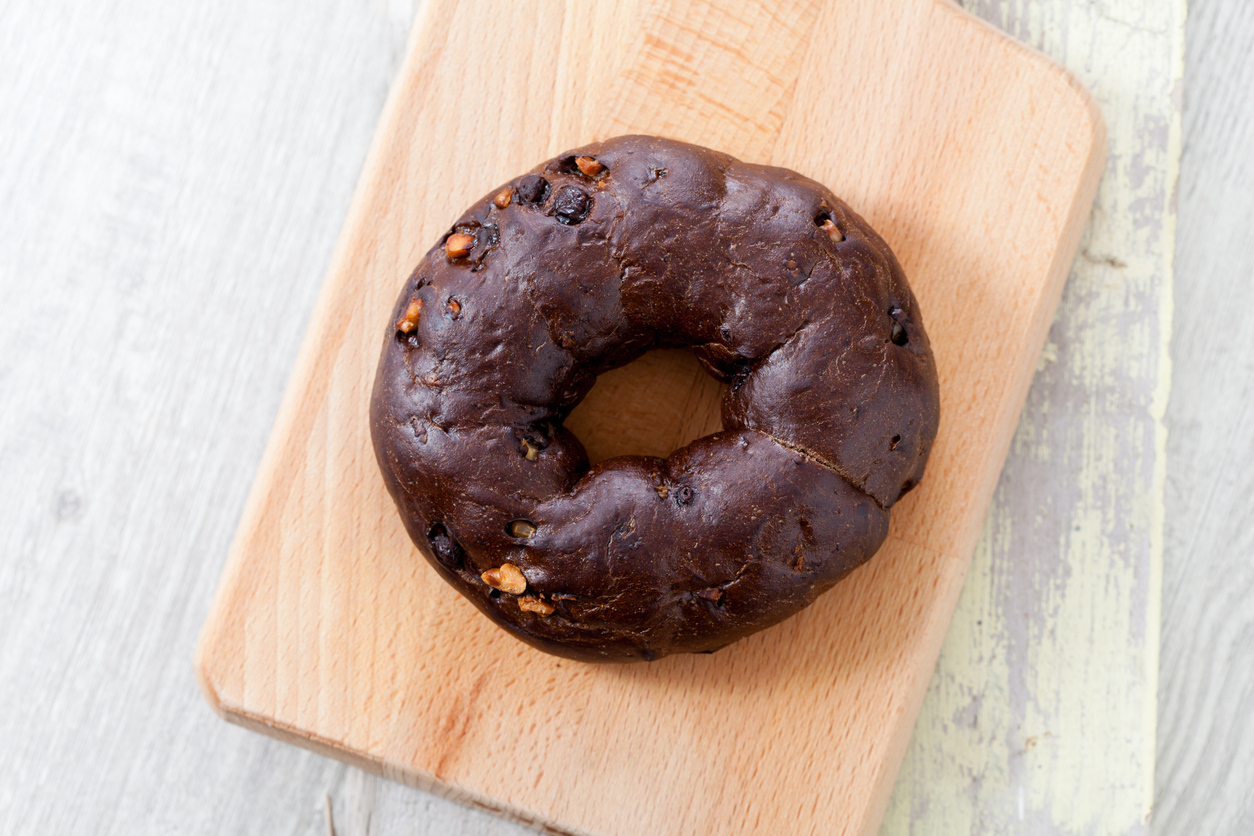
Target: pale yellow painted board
point(976, 159)
point(1041, 715)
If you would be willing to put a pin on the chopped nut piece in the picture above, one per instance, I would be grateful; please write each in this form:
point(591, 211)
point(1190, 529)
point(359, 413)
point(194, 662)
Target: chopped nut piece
point(662, 491)
point(409, 321)
point(530, 603)
point(711, 594)
point(589, 166)
point(522, 528)
point(503, 198)
point(830, 228)
point(459, 244)
point(512, 579)
point(454, 308)
point(531, 451)
point(507, 577)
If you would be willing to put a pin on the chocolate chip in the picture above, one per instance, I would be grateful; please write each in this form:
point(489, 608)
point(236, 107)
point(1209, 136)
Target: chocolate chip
point(739, 373)
point(532, 189)
point(445, 548)
point(487, 238)
point(566, 164)
point(898, 334)
point(572, 205)
point(684, 495)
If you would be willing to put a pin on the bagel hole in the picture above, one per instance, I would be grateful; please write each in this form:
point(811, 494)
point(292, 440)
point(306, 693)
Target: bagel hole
point(650, 407)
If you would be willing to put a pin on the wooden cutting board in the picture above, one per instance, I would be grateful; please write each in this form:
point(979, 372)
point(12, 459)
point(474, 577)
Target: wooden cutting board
point(976, 158)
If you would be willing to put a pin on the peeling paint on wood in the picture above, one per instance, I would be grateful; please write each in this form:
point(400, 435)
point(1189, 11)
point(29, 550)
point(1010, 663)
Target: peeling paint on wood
point(1040, 717)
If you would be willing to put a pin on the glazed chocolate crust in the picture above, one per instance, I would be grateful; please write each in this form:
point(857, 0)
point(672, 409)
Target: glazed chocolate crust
point(583, 265)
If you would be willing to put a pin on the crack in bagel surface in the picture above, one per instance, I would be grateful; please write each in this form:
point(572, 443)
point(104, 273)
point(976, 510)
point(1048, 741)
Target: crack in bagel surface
point(595, 258)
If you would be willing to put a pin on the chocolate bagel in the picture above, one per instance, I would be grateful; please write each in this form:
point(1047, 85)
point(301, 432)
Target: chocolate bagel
point(583, 265)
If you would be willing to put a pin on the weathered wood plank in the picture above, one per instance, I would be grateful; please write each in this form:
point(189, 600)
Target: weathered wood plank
point(1205, 780)
point(150, 151)
point(173, 177)
point(1040, 717)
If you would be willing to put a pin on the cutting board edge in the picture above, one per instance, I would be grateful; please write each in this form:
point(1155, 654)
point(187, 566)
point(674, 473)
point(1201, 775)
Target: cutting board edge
point(1062, 75)
point(401, 773)
point(212, 633)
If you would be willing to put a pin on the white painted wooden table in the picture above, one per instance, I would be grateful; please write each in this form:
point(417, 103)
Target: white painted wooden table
point(172, 180)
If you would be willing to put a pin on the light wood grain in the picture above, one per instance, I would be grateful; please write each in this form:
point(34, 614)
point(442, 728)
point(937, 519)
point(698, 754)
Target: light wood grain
point(975, 158)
